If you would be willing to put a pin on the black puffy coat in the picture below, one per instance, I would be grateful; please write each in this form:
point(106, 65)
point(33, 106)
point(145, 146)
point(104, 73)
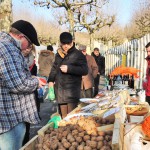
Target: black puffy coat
point(68, 85)
point(100, 60)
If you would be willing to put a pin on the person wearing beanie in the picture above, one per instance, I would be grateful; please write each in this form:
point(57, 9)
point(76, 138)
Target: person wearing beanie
point(67, 71)
point(49, 47)
point(88, 80)
point(17, 99)
point(45, 61)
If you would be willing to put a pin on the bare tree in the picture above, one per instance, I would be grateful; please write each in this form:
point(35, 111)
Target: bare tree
point(93, 21)
point(140, 24)
point(115, 33)
point(143, 22)
point(48, 31)
point(70, 7)
point(5, 15)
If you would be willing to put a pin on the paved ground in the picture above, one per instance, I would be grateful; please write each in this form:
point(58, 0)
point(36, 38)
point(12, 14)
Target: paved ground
point(47, 109)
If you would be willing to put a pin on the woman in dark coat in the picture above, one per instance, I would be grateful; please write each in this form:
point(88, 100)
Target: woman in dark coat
point(67, 71)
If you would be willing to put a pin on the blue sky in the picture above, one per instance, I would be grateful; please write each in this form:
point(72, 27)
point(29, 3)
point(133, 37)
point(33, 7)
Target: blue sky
point(123, 9)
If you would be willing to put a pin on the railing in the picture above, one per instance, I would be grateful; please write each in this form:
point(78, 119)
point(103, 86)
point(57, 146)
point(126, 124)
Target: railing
point(134, 52)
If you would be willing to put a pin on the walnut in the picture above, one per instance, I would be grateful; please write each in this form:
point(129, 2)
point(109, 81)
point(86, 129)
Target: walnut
point(72, 148)
point(66, 144)
point(86, 137)
point(99, 144)
point(99, 138)
point(75, 144)
point(81, 134)
point(79, 139)
point(74, 132)
point(80, 147)
point(65, 133)
point(93, 144)
point(87, 148)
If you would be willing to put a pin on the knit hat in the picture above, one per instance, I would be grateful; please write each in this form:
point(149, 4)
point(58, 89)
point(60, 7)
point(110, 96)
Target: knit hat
point(49, 47)
point(65, 37)
point(27, 29)
point(82, 47)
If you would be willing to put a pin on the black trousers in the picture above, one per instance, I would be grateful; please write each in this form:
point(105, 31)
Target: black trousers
point(66, 108)
point(96, 84)
point(27, 134)
point(148, 99)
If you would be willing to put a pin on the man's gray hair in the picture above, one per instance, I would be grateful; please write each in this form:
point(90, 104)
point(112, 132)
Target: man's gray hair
point(14, 31)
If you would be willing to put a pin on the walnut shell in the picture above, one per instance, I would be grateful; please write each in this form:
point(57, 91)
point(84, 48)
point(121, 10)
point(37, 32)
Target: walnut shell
point(86, 137)
point(87, 148)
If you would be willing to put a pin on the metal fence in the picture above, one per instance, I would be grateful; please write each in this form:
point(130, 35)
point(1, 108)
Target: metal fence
point(135, 54)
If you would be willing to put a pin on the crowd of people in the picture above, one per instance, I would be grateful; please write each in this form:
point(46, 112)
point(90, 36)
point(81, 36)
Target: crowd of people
point(70, 74)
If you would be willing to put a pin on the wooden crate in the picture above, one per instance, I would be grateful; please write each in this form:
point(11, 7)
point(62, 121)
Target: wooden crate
point(118, 135)
point(117, 128)
point(41, 132)
point(31, 144)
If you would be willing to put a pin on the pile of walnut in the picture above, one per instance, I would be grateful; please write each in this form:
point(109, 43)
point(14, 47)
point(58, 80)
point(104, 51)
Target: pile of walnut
point(89, 124)
point(74, 137)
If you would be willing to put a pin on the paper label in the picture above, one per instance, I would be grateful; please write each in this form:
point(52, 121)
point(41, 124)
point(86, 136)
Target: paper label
point(136, 119)
point(111, 111)
point(102, 103)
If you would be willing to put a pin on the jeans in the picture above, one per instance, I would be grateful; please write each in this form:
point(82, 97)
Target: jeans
point(12, 140)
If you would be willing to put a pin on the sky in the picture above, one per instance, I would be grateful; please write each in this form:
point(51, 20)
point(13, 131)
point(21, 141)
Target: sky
point(124, 11)
point(122, 8)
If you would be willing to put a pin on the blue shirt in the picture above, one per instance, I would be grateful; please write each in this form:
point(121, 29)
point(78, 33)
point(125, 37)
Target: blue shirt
point(17, 100)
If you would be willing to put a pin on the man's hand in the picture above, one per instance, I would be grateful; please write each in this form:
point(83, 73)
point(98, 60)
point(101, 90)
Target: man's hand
point(41, 83)
point(64, 68)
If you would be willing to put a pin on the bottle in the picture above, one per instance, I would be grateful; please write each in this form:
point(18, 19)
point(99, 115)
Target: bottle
point(114, 79)
point(118, 79)
point(123, 79)
point(40, 94)
point(110, 81)
point(129, 81)
point(132, 82)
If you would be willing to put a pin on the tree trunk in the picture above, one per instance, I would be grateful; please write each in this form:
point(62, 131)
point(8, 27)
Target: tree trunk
point(91, 42)
point(71, 22)
point(5, 15)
